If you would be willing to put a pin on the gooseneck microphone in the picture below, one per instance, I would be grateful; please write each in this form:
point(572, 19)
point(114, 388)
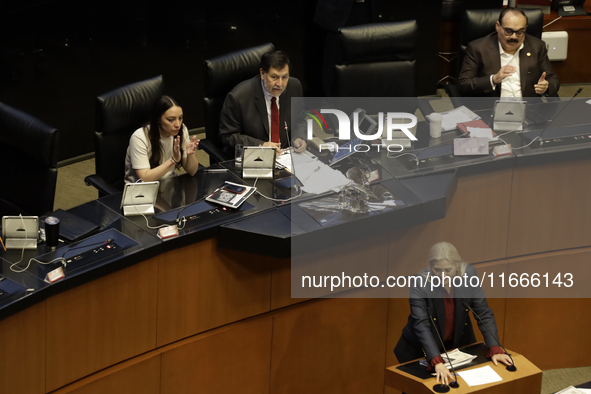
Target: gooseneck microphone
point(559, 112)
point(510, 368)
point(440, 387)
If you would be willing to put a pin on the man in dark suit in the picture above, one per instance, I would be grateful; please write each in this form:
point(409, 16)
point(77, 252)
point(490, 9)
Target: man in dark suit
point(258, 111)
point(508, 62)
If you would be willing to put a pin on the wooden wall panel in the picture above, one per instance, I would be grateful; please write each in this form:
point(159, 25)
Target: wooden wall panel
point(22, 351)
point(202, 286)
point(136, 376)
point(281, 285)
point(230, 360)
point(330, 346)
point(364, 256)
point(550, 208)
point(551, 332)
point(101, 323)
point(476, 224)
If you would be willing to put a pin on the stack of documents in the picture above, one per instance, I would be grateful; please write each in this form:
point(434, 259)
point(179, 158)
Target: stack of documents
point(455, 116)
point(457, 357)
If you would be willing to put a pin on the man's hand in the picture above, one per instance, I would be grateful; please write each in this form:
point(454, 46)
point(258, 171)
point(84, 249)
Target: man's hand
point(542, 84)
point(504, 72)
point(299, 145)
point(275, 145)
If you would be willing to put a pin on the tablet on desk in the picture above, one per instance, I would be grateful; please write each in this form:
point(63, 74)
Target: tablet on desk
point(20, 232)
point(139, 198)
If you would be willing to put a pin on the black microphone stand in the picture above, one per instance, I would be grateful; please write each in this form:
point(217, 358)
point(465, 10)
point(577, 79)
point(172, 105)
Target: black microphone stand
point(510, 368)
point(440, 387)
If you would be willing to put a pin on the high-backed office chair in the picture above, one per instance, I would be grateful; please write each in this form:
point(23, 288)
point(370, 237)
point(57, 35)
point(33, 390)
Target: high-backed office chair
point(222, 74)
point(376, 60)
point(28, 159)
point(118, 114)
point(479, 23)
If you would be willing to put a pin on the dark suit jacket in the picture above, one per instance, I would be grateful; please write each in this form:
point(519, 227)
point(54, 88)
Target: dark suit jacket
point(244, 118)
point(419, 336)
point(483, 60)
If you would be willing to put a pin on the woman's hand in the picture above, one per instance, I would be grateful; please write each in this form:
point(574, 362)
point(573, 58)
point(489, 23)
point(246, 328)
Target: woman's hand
point(443, 374)
point(176, 149)
point(192, 145)
point(505, 359)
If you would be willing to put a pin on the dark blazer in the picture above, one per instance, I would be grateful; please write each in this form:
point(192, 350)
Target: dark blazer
point(419, 338)
point(244, 118)
point(483, 59)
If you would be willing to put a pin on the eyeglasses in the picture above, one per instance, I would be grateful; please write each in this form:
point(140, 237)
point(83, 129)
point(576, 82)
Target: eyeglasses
point(510, 32)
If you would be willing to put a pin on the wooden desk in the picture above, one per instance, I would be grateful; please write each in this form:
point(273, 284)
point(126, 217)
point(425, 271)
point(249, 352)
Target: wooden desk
point(527, 379)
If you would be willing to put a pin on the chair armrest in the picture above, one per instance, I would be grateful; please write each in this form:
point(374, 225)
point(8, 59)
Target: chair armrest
point(104, 188)
point(215, 154)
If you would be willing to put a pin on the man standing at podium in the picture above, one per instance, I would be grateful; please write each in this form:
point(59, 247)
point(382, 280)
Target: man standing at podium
point(258, 111)
point(508, 62)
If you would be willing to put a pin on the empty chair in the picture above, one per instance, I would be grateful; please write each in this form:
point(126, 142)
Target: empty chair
point(28, 158)
point(376, 60)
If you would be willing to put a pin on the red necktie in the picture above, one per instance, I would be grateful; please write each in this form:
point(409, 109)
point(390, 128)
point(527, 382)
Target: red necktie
point(274, 121)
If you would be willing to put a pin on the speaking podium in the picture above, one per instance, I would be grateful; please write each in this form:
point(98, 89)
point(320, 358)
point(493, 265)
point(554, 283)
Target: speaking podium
point(527, 379)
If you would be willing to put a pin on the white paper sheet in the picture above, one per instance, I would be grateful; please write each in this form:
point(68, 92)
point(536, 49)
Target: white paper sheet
point(478, 376)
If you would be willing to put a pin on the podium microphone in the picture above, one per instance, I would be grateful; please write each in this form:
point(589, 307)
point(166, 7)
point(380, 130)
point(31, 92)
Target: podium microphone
point(510, 368)
point(440, 387)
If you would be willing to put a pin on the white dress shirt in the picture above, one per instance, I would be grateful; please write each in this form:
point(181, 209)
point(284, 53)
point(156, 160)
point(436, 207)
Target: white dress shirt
point(510, 86)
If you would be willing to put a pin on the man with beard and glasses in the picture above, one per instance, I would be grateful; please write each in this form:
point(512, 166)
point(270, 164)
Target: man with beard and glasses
point(508, 62)
point(258, 111)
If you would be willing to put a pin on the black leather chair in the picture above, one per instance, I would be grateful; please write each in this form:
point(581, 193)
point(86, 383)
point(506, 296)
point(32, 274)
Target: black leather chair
point(222, 74)
point(376, 60)
point(478, 23)
point(28, 162)
point(118, 114)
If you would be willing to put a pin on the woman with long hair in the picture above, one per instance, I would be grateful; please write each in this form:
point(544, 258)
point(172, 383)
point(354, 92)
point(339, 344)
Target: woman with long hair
point(441, 298)
point(159, 148)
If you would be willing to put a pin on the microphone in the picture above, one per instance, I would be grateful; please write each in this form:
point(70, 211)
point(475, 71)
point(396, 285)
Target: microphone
point(510, 368)
point(296, 187)
point(440, 387)
point(559, 112)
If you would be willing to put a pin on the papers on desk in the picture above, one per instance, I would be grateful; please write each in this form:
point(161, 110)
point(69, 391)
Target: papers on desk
point(573, 390)
point(457, 357)
point(479, 376)
point(588, 101)
point(315, 176)
point(455, 116)
point(319, 178)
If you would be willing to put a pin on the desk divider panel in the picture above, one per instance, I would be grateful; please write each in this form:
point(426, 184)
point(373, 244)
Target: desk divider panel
point(550, 207)
point(202, 286)
point(101, 323)
point(22, 351)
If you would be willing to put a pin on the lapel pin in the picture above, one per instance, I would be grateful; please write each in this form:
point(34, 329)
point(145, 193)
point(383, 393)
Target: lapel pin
point(528, 54)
